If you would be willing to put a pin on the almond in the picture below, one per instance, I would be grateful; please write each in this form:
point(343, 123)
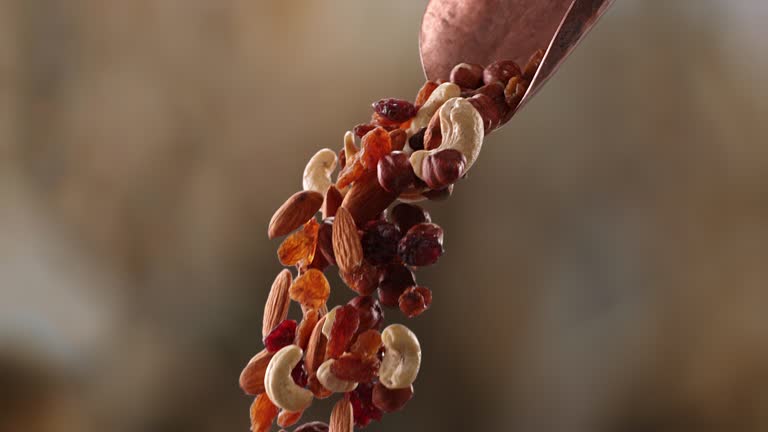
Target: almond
point(315, 353)
point(306, 327)
point(333, 199)
point(341, 416)
point(295, 212)
point(278, 302)
point(346, 241)
point(252, 377)
point(366, 199)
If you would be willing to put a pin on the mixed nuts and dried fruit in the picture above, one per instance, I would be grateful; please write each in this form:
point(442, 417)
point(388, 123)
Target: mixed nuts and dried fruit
point(408, 152)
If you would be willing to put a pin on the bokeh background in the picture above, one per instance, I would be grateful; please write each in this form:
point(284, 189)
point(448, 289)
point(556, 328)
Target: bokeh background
point(606, 265)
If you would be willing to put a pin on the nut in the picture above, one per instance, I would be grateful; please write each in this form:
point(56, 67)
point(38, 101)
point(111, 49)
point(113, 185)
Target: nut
point(390, 400)
point(515, 90)
point(342, 419)
point(442, 93)
point(316, 348)
point(346, 241)
point(330, 318)
point(488, 109)
point(312, 427)
point(462, 129)
point(295, 212)
point(443, 168)
point(332, 202)
point(366, 198)
point(501, 71)
point(467, 75)
point(317, 173)
point(278, 302)
point(398, 137)
point(402, 357)
point(252, 377)
point(330, 381)
point(433, 136)
point(395, 173)
point(279, 384)
point(350, 148)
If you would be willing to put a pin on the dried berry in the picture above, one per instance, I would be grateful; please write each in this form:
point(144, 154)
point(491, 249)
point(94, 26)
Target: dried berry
point(380, 241)
point(282, 336)
point(467, 75)
point(367, 344)
point(263, 413)
point(395, 172)
point(362, 405)
point(364, 279)
point(369, 311)
point(443, 168)
point(395, 279)
point(405, 216)
point(390, 400)
point(362, 129)
point(396, 110)
point(424, 93)
point(351, 173)
point(375, 145)
point(416, 142)
point(533, 65)
point(312, 427)
point(306, 326)
point(299, 246)
point(355, 367)
point(325, 240)
point(287, 418)
point(422, 245)
point(310, 289)
point(501, 71)
point(299, 375)
point(516, 88)
point(344, 327)
point(415, 300)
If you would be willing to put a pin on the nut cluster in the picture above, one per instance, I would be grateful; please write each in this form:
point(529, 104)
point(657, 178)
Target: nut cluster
point(408, 152)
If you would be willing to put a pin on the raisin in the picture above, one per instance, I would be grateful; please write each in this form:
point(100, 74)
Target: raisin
point(369, 311)
point(312, 427)
point(424, 93)
point(362, 405)
point(351, 173)
point(405, 216)
point(367, 344)
point(355, 367)
point(516, 88)
point(375, 145)
point(417, 140)
point(396, 110)
point(299, 246)
point(415, 300)
point(398, 137)
point(263, 413)
point(281, 336)
point(390, 400)
point(325, 240)
point(422, 245)
point(299, 375)
point(288, 418)
point(395, 279)
point(310, 289)
point(362, 129)
point(533, 65)
point(344, 328)
point(380, 240)
point(305, 328)
point(364, 279)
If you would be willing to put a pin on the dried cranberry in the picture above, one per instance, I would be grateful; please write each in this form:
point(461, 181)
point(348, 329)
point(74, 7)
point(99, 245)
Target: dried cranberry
point(415, 300)
point(396, 110)
point(362, 129)
point(395, 279)
point(422, 245)
point(417, 140)
point(380, 241)
point(281, 336)
point(363, 280)
point(299, 375)
point(312, 427)
point(405, 216)
point(369, 311)
point(363, 408)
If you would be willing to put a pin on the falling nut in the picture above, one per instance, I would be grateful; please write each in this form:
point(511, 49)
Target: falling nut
point(442, 93)
point(330, 381)
point(279, 384)
point(462, 129)
point(330, 318)
point(317, 173)
point(402, 358)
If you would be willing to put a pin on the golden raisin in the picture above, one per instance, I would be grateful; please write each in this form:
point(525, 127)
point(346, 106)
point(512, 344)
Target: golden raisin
point(288, 418)
point(263, 413)
point(354, 367)
point(299, 246)
point(424, 93)
point(344, 327)
point(310, 289)
point(374, 146)
point(351, 173)
point(364, 279)
point(305, 328)
point(367, 344)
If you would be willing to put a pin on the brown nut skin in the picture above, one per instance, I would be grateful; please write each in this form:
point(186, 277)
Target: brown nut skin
point(395, 172)
point(433, 135)
point(312, 427)
point(467, 75)
point(439, 194)
point(443, 168)
point(488, 110)
point(398, 137)
point(501, 71)
point(370, 313)
point(391, 400)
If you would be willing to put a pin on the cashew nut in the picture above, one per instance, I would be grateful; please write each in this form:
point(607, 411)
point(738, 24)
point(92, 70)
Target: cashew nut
point(279, 384)
point(350, 148)
point(317, 174)
point(330, 317)
point(439, 96)
point(402, 357)
point(462, 129)
point(330, 381)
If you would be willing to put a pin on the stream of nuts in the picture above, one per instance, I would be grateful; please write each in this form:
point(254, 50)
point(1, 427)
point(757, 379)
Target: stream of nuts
point(408, 152)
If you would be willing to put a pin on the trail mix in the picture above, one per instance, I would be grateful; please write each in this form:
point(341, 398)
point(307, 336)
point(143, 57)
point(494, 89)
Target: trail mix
point(408, 152)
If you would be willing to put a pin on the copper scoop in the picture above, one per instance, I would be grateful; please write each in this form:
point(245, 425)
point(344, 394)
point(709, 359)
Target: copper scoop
point(483, 31)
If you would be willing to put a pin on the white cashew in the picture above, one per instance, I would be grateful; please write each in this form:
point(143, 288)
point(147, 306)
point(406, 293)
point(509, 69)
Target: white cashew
point(330, 381)
point(330, 318)
point(279, 384)
point(350, 148)
point(402, 358)
point(439, 96)
point(462, 129)
point(317, 173)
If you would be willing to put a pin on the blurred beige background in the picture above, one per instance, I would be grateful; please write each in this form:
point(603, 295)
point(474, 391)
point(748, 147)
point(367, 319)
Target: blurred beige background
point(606, 265)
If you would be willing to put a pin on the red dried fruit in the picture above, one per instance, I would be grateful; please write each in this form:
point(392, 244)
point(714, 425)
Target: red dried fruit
point(395, 172)
point(398, 137)
point(325, 240)
point(375, 145)
point(367, 344)
point(516, 88)
point(299, 247)
point(396, 110)
point(354, 367)
point(424, 93)
point(351, 173)
point(299, 375)
point(287, 418)
point(369, 311)
point(312, 427)
point(405, 216)
point(467, 75)
point(344, 327)
point(282, 336)
point(380, 240)
point(311, 316)
point(362, 129)
point(364, 279)
point(422, 245)
point(443, 168)
point(390, 400)
point(415, 300)
point(501, 71)
point(362, 405)
point(533, 65)
point(311, 289)
point(263, 413)
point(395, 279)
point(416, 141)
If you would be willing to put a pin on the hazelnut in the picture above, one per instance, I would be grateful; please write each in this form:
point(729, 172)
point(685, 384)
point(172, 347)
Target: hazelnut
point(443, 168)
point(501, 71)
point(440, 194)
point(395, 172)
point(467, 75)
point(488, 110)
